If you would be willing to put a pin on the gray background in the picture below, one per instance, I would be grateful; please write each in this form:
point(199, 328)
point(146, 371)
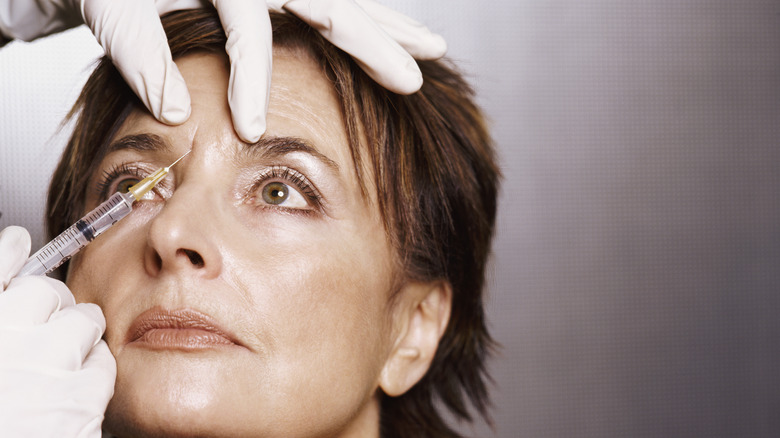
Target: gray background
point(636, 273)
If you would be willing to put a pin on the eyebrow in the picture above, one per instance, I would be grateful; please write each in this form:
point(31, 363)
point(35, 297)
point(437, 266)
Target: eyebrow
point(140, 143)
point(279, 146)
point(267, 146)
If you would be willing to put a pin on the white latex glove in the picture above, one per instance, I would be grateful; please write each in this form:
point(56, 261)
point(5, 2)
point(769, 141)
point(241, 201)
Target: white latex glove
point(382, 41)
point(56, 374)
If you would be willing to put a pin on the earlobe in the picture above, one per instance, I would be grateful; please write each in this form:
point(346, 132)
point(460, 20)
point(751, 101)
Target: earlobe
point(423, 317)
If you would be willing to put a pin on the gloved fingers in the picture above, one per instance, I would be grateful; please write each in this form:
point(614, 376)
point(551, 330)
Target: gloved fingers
point(101, 365)
point(14, 250)
point(90, 390)
point(249, 47)
point(40, 401)
point(165, 6)
point(59, 345)
point(31, 300)
point(349, 27)
point(27, 20)
point(132, 36)
point(73, 333)
point(412, 35)
point(276, 5)
point(248, 31)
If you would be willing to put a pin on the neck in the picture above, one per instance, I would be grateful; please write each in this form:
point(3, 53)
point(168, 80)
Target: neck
point(365, 423)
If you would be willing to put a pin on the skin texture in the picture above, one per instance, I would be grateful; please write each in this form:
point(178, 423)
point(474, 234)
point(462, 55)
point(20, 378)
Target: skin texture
point(304, 289)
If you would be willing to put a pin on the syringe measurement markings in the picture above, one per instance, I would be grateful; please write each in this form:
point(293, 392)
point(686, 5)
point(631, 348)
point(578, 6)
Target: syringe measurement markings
point(103, 210)
point(113, 218)
point(113, 203)
point(56, 245)
point(69, 235)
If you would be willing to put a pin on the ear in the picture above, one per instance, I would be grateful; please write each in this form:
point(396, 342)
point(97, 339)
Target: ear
point(419, 322)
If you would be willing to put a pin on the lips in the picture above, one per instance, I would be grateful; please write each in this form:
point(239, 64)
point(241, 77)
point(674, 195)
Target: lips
point(183, 329)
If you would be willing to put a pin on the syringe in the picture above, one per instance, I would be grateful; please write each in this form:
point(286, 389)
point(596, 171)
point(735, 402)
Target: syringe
point(78, 235)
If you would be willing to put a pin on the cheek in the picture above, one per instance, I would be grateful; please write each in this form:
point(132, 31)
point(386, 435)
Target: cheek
point(323, 258)
point(316, 267)
point(115, 254)
point(325, 283)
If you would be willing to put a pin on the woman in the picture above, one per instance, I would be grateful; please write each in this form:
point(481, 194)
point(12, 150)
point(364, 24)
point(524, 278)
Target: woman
point(324, 281)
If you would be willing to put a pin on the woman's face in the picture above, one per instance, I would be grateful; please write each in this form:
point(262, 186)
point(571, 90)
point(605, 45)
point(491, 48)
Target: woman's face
point(249, 294)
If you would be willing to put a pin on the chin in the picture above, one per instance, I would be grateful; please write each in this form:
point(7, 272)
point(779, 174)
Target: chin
point(178, 394)
point(214, 394)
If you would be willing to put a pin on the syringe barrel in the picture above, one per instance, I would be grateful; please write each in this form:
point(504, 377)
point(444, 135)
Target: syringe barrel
point(78, 235)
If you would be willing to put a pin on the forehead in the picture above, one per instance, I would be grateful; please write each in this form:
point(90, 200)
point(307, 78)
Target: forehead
point(302, 104)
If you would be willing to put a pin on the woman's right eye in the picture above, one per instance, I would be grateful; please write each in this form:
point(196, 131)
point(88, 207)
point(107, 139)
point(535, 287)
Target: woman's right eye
point(125, 184)
point(119, 179)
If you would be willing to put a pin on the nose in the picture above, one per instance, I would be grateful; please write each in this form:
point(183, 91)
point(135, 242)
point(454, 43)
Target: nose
point(182, 237)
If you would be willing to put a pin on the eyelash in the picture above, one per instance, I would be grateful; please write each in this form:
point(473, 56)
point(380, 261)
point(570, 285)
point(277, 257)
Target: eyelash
point(111, 175)
point(297, 180)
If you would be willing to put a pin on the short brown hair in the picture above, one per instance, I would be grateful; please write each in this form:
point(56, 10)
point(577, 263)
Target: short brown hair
point(435, 171)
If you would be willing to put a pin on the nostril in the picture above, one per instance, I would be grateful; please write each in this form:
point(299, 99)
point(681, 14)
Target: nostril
point(157, 261)
point(194, 257)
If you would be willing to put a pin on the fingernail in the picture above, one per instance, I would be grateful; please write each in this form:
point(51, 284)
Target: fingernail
point(413, 81)
point(176, 103)
point(438, 46)
point(175, 115)
point(253, 130)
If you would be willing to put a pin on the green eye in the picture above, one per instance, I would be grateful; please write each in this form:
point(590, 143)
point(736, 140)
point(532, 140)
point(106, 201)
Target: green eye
point(275, 193)
point(281, 188)
point(125, 184)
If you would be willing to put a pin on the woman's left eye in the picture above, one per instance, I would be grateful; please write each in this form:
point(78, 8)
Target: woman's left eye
point(280, 194)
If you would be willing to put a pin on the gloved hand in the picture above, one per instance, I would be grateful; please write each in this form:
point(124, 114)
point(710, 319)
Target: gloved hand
point(381, 40)
point(56, 374)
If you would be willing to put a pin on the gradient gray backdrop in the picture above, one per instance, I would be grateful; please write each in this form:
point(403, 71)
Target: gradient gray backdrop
point(637, 264)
